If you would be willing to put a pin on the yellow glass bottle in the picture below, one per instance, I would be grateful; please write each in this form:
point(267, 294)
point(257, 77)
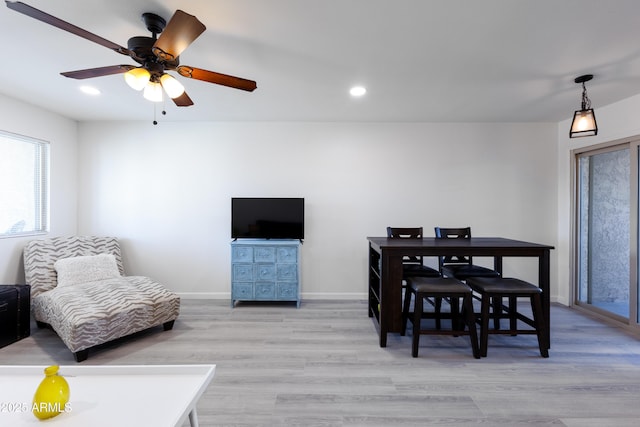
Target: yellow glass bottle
point(52, 394)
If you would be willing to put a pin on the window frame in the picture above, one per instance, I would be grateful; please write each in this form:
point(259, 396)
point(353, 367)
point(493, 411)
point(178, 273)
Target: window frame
point(41, 189)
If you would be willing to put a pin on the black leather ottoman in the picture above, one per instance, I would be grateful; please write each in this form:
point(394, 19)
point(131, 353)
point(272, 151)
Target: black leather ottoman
point(15, 316)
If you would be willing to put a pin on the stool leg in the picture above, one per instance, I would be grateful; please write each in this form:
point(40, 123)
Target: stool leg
point(536, 307)
point(470, 320)
point(513, 315)
point(484, 324)
point(497, 311)
point(405, 309)
point(417, 316)
point(438, 308)
point(457, 321)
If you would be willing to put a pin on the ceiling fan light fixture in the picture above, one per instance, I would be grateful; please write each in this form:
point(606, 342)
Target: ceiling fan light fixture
point(154, 55)
point(153, 92)
point(172, 86)
point(137, 78)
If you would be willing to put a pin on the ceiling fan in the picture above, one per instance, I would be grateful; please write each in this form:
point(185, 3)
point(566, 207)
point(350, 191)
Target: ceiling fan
point(156, 55)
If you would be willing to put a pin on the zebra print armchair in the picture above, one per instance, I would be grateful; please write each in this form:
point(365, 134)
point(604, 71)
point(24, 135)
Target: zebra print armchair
point(78, 288)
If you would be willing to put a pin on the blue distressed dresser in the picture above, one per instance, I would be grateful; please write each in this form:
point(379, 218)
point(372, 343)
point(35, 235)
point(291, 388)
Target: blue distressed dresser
point(265, 270)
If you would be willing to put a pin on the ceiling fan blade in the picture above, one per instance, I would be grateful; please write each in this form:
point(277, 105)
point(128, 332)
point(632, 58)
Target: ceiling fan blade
point(63, 25)
point(217, 78)
point(183, 100)
point(179, 33)
point(98, 72)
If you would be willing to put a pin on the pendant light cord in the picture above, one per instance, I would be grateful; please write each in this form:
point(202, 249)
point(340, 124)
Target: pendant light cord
point(586, 102)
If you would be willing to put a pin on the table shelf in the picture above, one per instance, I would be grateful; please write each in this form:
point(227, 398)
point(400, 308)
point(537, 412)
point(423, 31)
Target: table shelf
point(375, 281)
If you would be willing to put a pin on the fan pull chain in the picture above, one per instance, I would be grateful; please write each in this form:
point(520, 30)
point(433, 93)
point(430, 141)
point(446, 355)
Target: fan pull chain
point(164, 112)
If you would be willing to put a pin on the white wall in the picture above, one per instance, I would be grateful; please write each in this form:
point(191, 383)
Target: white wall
point(24, 119)
point(615, 122)
point(165, 190)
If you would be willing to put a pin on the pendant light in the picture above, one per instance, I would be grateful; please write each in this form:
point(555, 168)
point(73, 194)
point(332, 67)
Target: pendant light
point(584, 120)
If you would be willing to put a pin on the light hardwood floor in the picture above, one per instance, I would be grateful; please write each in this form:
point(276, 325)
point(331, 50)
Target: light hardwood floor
point(320, 365)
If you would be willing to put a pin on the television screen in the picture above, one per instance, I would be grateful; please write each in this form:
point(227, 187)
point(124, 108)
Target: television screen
point(267, 218)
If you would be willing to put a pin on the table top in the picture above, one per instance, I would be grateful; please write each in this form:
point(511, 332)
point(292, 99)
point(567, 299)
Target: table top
point(473, 242)
point(144, 395)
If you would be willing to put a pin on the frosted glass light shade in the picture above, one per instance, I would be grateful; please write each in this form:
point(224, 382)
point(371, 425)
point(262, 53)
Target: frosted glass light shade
point(584, 124)
point(172, 86)
point(137, 78)
point(153, 92)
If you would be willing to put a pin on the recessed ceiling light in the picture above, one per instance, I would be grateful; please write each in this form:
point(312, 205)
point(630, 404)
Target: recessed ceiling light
point(358, 91)
point(90, 90)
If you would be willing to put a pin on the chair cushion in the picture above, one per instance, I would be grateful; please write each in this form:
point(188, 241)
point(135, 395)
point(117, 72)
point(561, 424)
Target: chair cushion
point(92, 313)
point(464, 271)
point(502, 285)
point(437, 285)
point(416, 270)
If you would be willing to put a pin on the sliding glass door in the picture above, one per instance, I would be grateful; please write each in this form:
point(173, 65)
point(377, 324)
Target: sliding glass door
point(606, 231)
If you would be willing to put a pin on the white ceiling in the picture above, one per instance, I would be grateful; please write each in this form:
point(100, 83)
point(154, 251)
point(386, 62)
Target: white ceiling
point(421, 60)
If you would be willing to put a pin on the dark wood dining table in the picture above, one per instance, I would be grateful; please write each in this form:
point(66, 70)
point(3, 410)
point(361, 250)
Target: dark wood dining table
point(385, 270)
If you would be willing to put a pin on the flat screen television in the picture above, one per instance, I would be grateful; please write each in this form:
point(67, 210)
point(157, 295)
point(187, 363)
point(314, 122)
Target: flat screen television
point(267, 218)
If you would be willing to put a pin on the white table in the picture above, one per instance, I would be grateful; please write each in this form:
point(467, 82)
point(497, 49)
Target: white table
point(136, 395)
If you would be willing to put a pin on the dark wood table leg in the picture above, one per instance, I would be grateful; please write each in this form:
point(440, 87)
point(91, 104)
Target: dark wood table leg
point(544, 277)
point(497, 302)
point(497, 264)
point(385, 306)
point(390, 296)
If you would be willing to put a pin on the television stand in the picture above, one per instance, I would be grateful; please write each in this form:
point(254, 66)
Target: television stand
point(265, 270)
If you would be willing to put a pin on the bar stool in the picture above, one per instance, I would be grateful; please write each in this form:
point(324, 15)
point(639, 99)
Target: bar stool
point(439, 287)
point(497, 288)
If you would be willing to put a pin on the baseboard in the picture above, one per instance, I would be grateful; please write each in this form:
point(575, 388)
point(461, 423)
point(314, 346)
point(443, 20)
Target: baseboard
point(304, 296)
point(559, 300)
point(308, 296)
point(204, 295)
point(333, 296)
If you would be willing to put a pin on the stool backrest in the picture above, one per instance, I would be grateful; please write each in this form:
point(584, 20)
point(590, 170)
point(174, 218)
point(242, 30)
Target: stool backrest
point(406, 233)
point(453, 233)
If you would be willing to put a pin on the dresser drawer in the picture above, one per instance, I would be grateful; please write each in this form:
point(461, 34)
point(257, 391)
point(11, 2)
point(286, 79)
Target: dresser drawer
point(287, 254)
point(287, 291)
point(241, 254)
point(265, 291)
point(242, 291)
point(287, 272)
point(242, 273)
point(264, 254)
point(265, 272)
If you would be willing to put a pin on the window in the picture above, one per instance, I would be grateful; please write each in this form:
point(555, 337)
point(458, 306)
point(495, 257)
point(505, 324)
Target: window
point(606, 203)
point(24, 185)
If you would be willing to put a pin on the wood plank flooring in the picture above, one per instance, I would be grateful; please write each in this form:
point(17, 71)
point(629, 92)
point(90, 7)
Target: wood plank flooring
point(320, 365)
